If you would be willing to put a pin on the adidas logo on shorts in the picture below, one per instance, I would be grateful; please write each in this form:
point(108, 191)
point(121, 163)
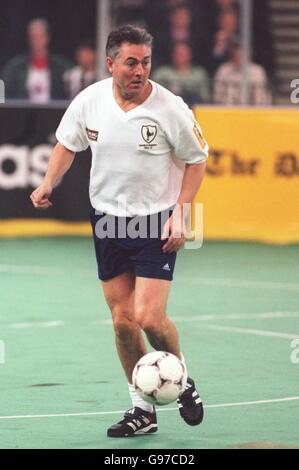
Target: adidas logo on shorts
point(166, 267)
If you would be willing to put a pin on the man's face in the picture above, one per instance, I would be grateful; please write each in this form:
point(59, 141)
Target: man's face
point(236, 56)
point(38, 38)
point(181, 18)
point(181, 56)
point(86, 58)
point(131, 68)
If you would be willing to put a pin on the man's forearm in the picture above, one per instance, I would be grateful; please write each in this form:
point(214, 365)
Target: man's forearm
point(59, 163)
point(174, 230)
point(192, 179)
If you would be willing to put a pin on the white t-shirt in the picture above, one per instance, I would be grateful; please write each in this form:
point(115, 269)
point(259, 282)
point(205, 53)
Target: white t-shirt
point(134, 170)
point(38, 85)
point(228, 85)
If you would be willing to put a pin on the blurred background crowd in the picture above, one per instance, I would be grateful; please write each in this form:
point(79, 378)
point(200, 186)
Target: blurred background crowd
point(48, 48)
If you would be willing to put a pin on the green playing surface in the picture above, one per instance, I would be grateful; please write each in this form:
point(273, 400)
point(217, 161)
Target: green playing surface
point(236, 306)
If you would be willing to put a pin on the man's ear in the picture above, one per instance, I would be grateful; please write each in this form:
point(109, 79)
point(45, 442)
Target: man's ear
point(109, 63)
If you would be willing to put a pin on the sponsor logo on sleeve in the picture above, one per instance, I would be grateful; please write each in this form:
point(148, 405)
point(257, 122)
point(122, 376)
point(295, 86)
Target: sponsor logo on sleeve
point(92, 135)
point(199, 136)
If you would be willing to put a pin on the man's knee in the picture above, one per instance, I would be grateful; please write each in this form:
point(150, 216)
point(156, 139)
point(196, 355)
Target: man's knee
point(124, 324)
point(150, 322)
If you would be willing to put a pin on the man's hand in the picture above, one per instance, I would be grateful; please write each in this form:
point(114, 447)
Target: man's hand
point(59, 163)
point(40, 196)
point(174, 231)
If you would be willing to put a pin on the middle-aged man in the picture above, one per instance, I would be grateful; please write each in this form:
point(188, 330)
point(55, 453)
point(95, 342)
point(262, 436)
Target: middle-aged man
point(148, 159)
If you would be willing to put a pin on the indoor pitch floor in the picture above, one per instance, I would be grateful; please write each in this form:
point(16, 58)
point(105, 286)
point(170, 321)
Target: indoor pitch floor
point(236, 306)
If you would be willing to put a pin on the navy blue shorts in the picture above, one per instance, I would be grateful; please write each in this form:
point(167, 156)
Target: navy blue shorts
point(131, 244)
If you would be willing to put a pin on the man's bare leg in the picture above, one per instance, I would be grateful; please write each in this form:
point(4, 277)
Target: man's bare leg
point(119, 293)
point(150, 312)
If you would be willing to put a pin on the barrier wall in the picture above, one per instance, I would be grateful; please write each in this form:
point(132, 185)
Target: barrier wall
point(27, 137)
point(251, 189)
point(250, 192)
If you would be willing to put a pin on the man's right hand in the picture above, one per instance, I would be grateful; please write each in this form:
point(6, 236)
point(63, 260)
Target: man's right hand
point(40, 196)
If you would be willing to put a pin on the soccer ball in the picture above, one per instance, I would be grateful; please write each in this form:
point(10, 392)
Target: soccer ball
point(159, 377)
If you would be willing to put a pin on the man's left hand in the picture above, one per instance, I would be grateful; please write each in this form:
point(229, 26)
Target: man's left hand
point(174, 231)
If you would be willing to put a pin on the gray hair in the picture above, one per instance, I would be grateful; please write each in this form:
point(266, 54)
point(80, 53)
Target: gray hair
point(127, 34)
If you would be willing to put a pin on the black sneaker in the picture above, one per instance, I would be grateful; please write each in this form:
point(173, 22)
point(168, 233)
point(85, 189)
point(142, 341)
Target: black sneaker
point(136, 421)
point(190, 404)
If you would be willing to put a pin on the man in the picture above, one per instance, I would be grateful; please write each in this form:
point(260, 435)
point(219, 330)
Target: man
point(183, 78)
point(134, 127)
point(37, 75)
point(228, 81)
point(84, 73)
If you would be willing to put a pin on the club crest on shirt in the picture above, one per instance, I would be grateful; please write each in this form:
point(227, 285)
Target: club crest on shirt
point(148, 133)
point(92, 135)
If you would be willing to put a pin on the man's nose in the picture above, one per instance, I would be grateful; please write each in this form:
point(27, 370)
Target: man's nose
point(139, 69)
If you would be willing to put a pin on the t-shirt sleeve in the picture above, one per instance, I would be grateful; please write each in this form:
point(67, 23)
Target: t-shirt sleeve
point(185, 135)
point(71, 131)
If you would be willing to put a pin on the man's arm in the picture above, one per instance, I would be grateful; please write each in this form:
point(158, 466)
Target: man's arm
point(192, 179)
point(175, 233)
point(59, 163)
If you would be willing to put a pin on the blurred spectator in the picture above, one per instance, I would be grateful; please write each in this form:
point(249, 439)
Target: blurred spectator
point(225, 36)
point(183, 79)
point(225, 5)
point(130, 11)
point(158, 12)
point(178, 3)
point(37, 75)
point(84, 73)
point(214, 8)
point(182, 24)
point(262, 42)
point(228, 80)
